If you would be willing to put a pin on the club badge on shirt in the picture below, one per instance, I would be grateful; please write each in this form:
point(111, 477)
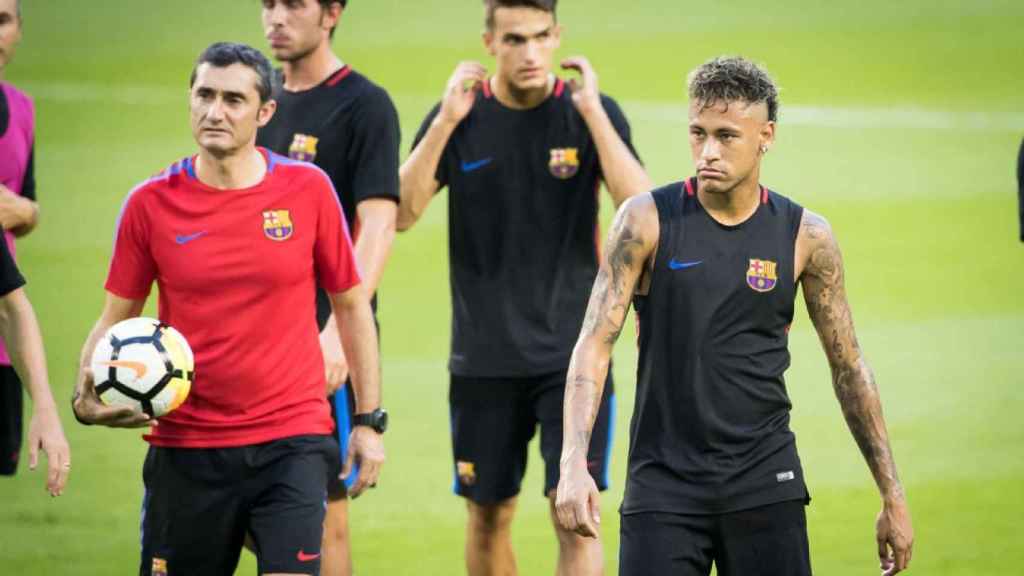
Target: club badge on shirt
point(159, 567)
point(761, 275)
point(277, 225)
point(303, 148)
point(564, 162)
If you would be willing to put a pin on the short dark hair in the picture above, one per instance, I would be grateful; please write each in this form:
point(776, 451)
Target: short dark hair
point(544, 5)
point(224, 54)
point(731, 78)
point(325, 4)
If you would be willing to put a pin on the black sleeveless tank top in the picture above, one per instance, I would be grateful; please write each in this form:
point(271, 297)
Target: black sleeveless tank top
point(710, 430)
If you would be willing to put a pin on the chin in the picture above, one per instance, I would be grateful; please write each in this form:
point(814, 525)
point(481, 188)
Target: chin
point(713, 186)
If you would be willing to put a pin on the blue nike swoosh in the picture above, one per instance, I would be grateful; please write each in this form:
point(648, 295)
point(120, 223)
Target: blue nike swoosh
point(676, 265)
point(180, 239)
point(471, 166)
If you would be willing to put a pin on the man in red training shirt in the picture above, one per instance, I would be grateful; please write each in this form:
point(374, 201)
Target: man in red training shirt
point(237, 239)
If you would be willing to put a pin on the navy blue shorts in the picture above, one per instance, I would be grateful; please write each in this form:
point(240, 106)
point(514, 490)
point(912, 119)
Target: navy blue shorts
point(200, 503)
point(493, 420)
point(342, 409)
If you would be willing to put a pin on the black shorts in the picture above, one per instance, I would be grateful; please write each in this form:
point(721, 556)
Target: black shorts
point(493, 420)
point(10, 420)
point(342, 409)
point(200, 502)
point(765, 541)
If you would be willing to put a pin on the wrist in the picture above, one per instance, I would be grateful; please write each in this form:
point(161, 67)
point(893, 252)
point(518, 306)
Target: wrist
point(377, 420)
point(444, 122)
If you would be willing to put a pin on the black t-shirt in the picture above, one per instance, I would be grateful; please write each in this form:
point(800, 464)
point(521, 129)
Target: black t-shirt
point(710, 432)
point(347, 126)
point(10, 278)
point(522, 242)
point(28, 186)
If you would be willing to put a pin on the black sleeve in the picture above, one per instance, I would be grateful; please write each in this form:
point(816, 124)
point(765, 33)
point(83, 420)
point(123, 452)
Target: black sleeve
point(1020, 188)
point(375, 141)
point(10, 278)
point(611, 107)
point(28, 186)
point(442, 165)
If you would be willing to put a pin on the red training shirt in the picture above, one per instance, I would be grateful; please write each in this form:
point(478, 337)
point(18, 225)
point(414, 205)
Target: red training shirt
point(237, 271)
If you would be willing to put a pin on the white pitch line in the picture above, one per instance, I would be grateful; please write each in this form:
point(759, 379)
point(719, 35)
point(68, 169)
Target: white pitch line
point(660, 112)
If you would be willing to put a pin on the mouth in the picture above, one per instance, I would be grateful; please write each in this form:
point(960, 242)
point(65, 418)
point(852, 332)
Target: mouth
point(214, 131)
point(531, 72)
point(278, 40)
point(710, 174)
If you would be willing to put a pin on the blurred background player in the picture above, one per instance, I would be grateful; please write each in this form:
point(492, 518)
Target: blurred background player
point(18, 212)
point(712, 265)
point(331, 115)
point(523, 155)
point(236, 239)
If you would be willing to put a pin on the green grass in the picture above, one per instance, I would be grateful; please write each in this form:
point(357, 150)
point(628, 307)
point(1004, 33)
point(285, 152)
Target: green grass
point(924, 210)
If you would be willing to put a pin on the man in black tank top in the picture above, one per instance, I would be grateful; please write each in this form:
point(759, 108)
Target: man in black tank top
point(712, 265)
point(522, 154)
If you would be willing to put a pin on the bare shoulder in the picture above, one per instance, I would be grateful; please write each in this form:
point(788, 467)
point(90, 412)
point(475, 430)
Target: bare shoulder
point(817, 252)
point(639, 216)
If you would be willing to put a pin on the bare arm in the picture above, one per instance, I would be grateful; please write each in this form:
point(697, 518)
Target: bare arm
point(631, 245)
point(373, 246)
point(88, 408)
point(18, 214)
point(623, 174)
point(418, 173)
point(354, 320)
point(852, 379)
point(20, 330)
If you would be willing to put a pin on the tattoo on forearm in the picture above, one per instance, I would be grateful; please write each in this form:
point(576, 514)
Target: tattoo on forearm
point(582, 401)
point(852, 379)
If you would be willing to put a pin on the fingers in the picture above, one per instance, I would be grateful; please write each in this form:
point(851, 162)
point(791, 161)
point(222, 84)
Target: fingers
point(466, 76)
point(584, 524)
point(33, 449)
point(63, 471)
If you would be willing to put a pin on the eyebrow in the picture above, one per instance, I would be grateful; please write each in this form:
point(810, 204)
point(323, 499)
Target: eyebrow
point(516, 35)
point(226, 93)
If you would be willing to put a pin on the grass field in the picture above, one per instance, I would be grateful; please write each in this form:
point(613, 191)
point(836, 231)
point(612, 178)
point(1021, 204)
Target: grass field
point(900, 122)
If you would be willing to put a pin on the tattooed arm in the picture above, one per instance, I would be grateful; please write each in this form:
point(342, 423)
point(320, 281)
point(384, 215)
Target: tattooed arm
point(822, 279)
point(630, 247)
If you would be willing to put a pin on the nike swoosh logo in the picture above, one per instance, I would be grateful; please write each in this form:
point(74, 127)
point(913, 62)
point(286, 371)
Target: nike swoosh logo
point(677, 265)
point(471, 166)
point(303, 557)
point(185, 239)
point(138, 367)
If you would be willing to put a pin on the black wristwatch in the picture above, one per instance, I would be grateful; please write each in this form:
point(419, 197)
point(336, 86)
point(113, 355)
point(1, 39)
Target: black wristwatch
point(378, 420)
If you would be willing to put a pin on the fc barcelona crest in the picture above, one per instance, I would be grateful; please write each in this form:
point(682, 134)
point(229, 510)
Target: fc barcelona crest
point(303, 148)
point(564, 162)
point(277, 225)
point(159, 567)
point(761, 275)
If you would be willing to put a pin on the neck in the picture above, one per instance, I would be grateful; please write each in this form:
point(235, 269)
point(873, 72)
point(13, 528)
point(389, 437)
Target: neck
point(512, 97)
point(243, 169)
point(733, 206)
point(311, 69)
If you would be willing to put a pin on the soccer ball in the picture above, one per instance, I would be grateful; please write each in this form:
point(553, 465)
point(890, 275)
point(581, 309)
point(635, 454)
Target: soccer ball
point(143, 364)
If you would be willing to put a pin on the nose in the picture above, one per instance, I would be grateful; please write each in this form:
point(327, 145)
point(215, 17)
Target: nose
point(274, 15)
point(215, 113)
point(531, 52)
point(711, 151)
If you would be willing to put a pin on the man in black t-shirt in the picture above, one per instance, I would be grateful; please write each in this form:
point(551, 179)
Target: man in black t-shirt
point(332, 116)
point(712, 265)
point(522, 154)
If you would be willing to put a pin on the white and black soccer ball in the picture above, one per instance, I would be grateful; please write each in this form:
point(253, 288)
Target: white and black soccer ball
point(143, 364)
